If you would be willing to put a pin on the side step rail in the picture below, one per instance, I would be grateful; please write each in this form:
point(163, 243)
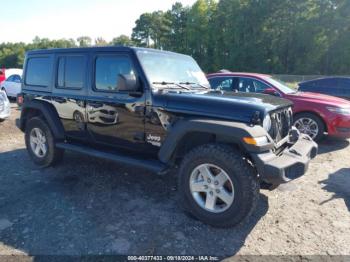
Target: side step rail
point(152, 165)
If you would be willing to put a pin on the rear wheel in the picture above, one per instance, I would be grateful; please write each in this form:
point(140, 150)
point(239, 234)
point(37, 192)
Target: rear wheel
point(311, 125)
point(217, 186)
point(40, 143)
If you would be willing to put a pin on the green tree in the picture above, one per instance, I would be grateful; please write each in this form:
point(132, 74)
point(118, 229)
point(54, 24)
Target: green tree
point(99, 41)
point(197, 32)
point(141, 33)
point(84, 41)
point(268, 36)
point(152, 30)
point(122, 40)
point(177, 37)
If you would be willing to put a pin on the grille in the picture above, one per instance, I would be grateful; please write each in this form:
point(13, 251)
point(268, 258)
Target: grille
point(281, 123)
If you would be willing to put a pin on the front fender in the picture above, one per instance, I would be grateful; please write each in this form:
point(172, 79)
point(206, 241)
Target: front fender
point(227, 131)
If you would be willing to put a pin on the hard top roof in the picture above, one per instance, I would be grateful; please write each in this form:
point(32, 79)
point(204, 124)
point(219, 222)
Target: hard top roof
point(95, 49)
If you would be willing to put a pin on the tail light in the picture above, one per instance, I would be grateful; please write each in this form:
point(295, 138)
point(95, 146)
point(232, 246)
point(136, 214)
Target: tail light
point(20, 99)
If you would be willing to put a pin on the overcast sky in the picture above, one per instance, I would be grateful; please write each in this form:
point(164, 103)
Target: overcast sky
point(22, 20)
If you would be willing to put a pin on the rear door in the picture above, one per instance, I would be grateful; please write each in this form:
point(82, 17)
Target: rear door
point(70, 91)
point(115, 118)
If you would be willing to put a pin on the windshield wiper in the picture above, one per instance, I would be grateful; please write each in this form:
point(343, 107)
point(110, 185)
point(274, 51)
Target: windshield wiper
point(164, 83)
point(192, 83)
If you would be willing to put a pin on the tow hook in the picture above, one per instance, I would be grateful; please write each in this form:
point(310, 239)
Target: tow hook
point(294, 135)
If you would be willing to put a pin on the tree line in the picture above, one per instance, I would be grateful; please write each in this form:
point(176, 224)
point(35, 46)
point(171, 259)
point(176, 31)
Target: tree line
point(268, 36)
point(12, 54)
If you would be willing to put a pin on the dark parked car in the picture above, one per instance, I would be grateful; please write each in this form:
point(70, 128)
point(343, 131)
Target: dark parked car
point(334, 86)
point(314, 114)
point(155, 110)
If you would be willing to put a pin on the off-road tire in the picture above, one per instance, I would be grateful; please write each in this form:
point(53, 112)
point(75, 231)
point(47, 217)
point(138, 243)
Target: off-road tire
point(241, 173)
point(53, 154)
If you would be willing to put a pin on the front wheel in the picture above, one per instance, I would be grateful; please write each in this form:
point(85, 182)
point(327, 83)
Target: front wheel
point(40, 143)
point(217, 186)
point(310, 124)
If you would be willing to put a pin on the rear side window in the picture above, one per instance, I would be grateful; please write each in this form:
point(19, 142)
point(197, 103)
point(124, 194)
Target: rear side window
point(38, 71)
point(71, 72)
point(108, 69)
point(222, 83)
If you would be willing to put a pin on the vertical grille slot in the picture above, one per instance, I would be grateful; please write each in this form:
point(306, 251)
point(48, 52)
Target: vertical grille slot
point(281, 122)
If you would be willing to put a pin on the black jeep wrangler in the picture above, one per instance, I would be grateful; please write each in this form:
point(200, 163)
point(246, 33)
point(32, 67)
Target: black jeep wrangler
point(155, 110)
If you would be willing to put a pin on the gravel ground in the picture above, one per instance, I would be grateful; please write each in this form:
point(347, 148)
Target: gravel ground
point(90, 206)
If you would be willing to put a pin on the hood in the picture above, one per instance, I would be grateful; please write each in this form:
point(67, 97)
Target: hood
point(319, 98)
point(224, 105)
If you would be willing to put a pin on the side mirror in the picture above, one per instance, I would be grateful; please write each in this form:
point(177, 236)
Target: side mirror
point(271, 91)
point(128, 83)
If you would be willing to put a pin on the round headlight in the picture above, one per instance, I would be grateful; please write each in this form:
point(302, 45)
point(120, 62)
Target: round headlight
point(267, 122)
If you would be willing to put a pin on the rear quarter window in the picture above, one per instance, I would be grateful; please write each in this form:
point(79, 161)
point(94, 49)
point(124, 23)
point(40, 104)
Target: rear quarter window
point(38, 71)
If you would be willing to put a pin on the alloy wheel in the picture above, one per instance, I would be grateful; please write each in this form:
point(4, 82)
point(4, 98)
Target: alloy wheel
point(307, 126)
point(37, 141)
point(211, 188)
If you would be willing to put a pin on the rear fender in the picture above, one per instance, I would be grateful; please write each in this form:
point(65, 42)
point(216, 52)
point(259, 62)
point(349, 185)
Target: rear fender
point(47, 111)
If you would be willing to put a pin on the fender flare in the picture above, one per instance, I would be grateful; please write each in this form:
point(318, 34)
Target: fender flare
point(48, 112)
point(227, 131)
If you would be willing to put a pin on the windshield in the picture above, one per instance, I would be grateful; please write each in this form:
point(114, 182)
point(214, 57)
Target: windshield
point(281, 85)
point(164, 67)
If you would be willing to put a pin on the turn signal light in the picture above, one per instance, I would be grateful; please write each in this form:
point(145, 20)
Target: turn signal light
point(249, 140)
point(256, 141)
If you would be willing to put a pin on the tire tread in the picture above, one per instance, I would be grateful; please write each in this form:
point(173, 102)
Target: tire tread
point(250, 186)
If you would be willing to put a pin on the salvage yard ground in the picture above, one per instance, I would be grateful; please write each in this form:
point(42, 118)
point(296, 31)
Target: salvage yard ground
point(91, 206)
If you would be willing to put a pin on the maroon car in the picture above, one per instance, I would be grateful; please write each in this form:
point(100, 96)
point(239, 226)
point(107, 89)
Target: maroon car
point(314, 114)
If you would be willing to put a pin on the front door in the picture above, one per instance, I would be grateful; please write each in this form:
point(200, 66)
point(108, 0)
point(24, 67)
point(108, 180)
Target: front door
point(115, 118)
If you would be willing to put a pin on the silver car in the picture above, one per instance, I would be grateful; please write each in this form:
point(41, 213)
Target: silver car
point(4, 106)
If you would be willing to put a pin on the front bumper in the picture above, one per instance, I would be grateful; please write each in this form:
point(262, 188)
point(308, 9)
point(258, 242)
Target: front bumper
point(290, 164)
point(339, 126)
